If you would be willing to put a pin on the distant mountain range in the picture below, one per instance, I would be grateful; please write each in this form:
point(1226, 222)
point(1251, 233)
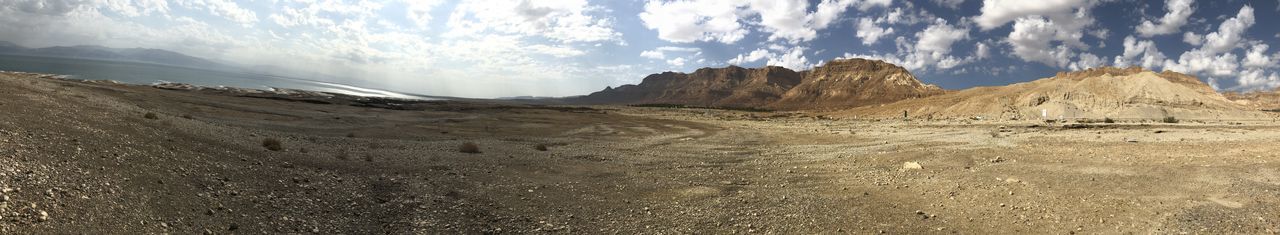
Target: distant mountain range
point(838, 84)
point(146, 55)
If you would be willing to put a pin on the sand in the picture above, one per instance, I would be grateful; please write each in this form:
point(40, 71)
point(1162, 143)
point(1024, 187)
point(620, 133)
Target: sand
point(80, 157)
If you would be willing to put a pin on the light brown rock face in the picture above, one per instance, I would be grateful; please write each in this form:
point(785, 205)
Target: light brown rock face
point(1257, 100)
point(1128, 93)
point(835, 85)
point(852, 83)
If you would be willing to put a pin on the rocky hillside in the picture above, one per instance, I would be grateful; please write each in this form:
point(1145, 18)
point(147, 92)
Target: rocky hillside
point(837, 84)
point(1257, 100)
point(1128, 93)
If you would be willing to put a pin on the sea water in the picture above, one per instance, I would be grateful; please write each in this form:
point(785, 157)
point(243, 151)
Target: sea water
point(147, 74)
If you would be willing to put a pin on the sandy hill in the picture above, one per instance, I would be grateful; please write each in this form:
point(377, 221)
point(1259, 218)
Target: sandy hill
point(1129, 93)
point(837, 84)
point(1258, 100)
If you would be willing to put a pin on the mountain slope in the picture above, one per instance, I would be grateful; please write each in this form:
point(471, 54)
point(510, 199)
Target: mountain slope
point(837, 84)
point(1131, 93)
point(852, 83)
point(156, 56)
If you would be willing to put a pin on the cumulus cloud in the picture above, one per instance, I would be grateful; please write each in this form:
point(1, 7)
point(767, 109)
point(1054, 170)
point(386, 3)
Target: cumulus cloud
point(563, 21)
point(1087, 61)
point(1193, 38)
point(953, 4)
point(981, 51)
point(1140, 53)
point(793, 59)
point(869, 32)
point(685, 21)
point(660, 52)
point(996, 13)
point(1230, 33)
point(753, 56)
point(1216, 57)
point(1032, 40)
point(1179, 12)
point(931, 50)
point(690, 21)
point(1257, 57)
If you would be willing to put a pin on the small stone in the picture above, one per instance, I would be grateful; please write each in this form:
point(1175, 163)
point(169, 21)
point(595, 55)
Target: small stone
point(44, 216)
point(912, 166)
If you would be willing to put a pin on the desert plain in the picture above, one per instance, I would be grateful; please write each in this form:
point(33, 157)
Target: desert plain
point(93, 156)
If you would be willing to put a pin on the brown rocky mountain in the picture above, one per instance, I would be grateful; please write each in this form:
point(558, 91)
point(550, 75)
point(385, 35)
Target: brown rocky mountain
point(835, 85)
point(1124, 93)
point(1258, 100)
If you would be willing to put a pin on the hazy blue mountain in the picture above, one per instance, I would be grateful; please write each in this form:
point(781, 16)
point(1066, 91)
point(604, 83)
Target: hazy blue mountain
point(156, 56)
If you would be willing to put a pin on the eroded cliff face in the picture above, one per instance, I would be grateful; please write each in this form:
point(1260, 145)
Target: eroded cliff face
point(852, 83)
point(837, 84)
point(1127, 93)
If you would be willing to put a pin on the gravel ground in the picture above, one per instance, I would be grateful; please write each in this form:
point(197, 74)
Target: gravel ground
point(85, 157)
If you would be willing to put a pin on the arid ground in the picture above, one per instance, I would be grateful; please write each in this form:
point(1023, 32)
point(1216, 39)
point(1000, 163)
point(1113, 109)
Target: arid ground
point(85, 157)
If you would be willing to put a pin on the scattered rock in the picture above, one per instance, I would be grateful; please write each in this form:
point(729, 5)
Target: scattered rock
point(997, 159)
point(44, 216)
point(911, 166)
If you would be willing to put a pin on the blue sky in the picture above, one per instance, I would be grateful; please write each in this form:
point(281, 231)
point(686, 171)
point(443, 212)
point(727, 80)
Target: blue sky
point(497, 48)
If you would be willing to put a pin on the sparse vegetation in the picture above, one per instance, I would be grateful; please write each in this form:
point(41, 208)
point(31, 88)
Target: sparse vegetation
point(681, 106)
point(1170, 119)
point(272, 144)
point(469, 147)
point(151, 116)
point(540, 147)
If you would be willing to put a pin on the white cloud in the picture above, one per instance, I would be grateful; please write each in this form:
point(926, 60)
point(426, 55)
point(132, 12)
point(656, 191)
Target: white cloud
point(660, 52)
point(727, 21)
point(678, 62)
point(996, 13)
point(982, 51)
point(784, 19)
point(1179, 11)
point(567, 21)
point(223, 8)
point(793, 59)
point(937, 38)
point(1087, 61)
point(1257, 57)
point(690, 21)
point(419, 11)
point(953, 4)
point(869, 32)
point(753, 56)
point(1032, 39)
point(1230, 33)
point(1140, 53)
point(1253, 79)
point(931, 49)
point(1193, 38)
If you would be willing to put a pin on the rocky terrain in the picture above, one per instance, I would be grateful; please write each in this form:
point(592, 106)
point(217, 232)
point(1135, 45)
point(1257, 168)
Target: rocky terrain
point(838, 84)
point(1100, 93)
point(1258, 100)
point(102, 157)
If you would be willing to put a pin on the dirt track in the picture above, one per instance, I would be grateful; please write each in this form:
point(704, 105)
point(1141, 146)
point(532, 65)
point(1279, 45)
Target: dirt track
point(85, 156)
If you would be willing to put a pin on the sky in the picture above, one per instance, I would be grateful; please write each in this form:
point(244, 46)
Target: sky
point(505, 48)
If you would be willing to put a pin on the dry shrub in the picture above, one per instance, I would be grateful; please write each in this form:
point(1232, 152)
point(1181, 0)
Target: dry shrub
point(151, 116)
point(272, 144)
point(469, 147)
point(540, 147)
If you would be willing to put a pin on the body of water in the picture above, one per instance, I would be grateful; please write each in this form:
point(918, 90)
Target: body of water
point(147, 74)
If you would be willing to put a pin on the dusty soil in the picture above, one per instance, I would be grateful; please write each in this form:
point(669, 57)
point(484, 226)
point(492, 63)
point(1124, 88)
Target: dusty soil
point(83, 157)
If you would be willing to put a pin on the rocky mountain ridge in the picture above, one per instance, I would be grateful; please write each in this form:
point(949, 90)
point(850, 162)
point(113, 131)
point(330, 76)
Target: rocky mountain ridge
point(838, 84)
